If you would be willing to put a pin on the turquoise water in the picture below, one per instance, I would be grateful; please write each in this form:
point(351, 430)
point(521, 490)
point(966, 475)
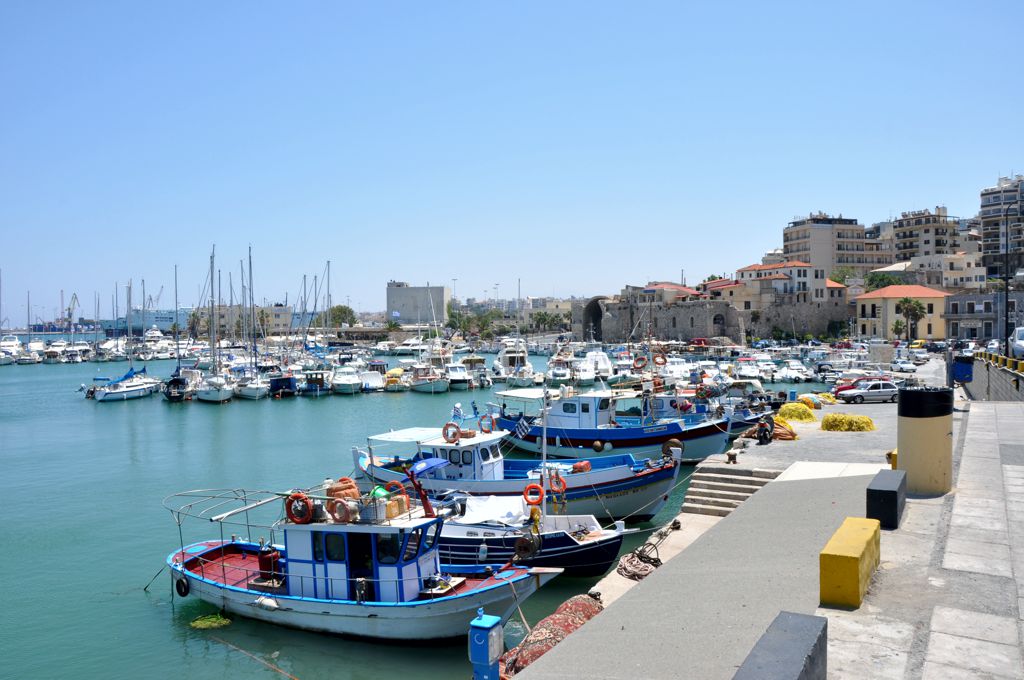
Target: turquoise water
point(81, 495)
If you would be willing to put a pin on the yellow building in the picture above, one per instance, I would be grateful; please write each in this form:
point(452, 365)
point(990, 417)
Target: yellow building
point(876, 312)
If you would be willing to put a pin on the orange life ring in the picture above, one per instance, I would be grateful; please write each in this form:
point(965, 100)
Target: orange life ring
point(533, 499)
point(450, 432)
point(339, 510)
point(639, 362)
point(289, 508)
point(558, 484)
point(660, 359)
point(486, 423)
point(398, 488)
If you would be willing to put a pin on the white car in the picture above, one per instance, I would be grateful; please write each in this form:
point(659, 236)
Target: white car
point(903, 366)
point(1017, 343)
point(881, 390)
point(994, 346)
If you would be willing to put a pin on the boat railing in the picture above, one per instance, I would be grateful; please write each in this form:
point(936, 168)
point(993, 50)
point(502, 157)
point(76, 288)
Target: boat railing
point(278, 581)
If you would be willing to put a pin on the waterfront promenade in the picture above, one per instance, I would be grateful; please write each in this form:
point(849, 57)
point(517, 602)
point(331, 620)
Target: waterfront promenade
point(946, 602)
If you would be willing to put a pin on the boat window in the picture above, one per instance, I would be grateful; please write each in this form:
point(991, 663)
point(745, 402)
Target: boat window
point(318, 546)
point(412, 546)
point(388, 547)
point(453, 457)
point(585, 408)
point(467, 457)
point(431, 536)
point(485, 454)
point(603, 404)
point(568, 408)
point(335, 547)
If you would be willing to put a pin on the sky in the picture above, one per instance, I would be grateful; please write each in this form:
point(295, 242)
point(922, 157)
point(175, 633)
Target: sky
point(555, 149)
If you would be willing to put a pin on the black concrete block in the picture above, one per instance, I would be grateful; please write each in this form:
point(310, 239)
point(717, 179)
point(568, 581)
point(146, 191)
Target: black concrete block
point(886, 497)
point(795, 647)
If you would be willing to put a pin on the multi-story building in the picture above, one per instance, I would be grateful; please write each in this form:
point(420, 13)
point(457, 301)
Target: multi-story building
point(417, 304)
point(795, 278)
point(922, 233)
point(980, 315)
point(1001, 209)
point(955, 271)
point(828, 242)
point(876, 311)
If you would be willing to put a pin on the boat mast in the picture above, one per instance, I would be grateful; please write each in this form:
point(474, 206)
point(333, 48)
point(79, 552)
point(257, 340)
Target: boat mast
point(177, 345)
point(544, 452)
point(213, 325)
point(252, 311)
point(128, 325)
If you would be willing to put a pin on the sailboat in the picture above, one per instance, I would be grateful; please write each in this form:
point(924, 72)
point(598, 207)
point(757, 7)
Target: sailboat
point(252, 384)
point(215, 388)
point(183, 382)
point(132, 385)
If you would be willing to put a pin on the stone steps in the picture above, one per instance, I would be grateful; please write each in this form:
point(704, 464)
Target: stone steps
point(719, 489)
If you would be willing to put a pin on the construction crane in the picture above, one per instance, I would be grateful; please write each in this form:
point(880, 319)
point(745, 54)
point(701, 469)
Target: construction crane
point(154, 302)
point(70, 312)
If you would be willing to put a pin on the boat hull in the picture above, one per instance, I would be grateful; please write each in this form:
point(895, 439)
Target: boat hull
point(558, 549)
point(699, 441)
point(438, 618)
point(431, 386)
point(611, 493)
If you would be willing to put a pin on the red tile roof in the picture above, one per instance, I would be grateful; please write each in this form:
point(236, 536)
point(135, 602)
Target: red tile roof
point(778, 276)
point(829, 283)
point(910, 291)
point(664, 285)
point(782, 265)
point(719, 283)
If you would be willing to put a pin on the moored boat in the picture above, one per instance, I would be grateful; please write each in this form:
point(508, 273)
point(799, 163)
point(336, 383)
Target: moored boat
point(342, 563)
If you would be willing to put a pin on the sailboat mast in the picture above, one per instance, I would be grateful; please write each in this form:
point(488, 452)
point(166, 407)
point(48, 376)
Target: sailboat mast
point(177, 344)
point(544, 451)
point(252, 311)
point(213, 324)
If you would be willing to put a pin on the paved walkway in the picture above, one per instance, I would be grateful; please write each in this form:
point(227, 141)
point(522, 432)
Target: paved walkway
point(948, 599)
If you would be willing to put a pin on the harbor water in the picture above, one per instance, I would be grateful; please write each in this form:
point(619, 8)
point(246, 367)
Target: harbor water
point(81, 495)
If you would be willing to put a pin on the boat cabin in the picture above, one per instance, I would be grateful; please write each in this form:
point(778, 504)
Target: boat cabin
point(477, 457)
point(364, 561)
point(569, 409)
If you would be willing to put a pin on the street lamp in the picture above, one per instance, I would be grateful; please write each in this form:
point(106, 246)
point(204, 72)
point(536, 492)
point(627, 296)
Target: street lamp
point(453, 288)
point(1007, 331)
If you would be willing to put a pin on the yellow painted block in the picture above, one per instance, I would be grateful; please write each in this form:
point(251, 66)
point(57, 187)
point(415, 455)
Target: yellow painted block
point(895, 458)
point(847, 562)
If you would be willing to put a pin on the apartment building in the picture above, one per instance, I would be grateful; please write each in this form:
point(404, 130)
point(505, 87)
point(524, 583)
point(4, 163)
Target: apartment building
point(1002, 206)
point(828, 242)
point(920, 233)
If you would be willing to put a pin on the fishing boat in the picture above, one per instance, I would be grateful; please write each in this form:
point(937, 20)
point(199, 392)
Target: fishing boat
point(182, 384)
point(282, 383)
point(495, 528)
point(425, 378)
point(339, 562)
point(611, 487)
point(396, 381)
point(597, 422)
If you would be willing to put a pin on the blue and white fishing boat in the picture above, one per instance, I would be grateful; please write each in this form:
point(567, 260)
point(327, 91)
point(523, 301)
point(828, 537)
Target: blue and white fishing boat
point(611, 487)
point(339, 562)
point(588, 424)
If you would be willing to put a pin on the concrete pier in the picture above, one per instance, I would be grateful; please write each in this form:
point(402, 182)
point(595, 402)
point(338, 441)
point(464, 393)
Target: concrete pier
point(946, 602)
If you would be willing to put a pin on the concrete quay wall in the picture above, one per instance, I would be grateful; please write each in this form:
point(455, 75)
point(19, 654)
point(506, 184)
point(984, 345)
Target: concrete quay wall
point(995, 383)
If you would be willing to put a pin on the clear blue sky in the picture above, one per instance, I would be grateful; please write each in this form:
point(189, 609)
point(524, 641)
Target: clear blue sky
point(578, 146)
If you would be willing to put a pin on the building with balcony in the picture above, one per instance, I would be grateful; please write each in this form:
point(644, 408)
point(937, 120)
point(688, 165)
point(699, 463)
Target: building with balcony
point(923, 233)
point(1002, 227)
point(979, 316)
point(828, 242)
point(876, 312)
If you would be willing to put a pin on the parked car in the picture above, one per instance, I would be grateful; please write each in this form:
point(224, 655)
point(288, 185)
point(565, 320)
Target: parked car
point(994, 346)
point(918, 356)
point(881, 390)
point(937, 346)
point(903, 366)
point(918, 344)
point(1017, 343)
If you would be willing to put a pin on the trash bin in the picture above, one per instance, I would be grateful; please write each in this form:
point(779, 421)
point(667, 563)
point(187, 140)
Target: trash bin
point(792, 395)
point(924, 438)
point(963, 369)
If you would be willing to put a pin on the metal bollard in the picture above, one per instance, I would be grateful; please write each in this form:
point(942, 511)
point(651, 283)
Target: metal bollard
point(924, 439)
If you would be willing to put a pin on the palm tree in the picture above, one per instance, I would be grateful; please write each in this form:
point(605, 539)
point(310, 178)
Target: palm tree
point(912, 311)
point(898, 327)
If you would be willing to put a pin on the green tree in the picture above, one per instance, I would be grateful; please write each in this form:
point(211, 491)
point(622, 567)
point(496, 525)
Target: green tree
point(263, 318)
point(337, 315)
point(841, 274)
point(392, 325)
point(912, 311)
point(878, 280)
point(713, 277)
point(898, 327)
